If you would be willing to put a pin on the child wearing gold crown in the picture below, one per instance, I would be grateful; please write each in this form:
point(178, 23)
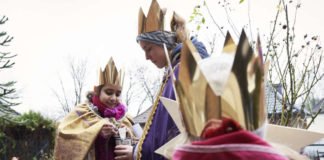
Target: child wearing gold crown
point(163, 49)
point(90, 130)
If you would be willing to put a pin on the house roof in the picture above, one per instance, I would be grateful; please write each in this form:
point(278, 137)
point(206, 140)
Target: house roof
point(318, 106)
point(273, 98)
point(142, 118)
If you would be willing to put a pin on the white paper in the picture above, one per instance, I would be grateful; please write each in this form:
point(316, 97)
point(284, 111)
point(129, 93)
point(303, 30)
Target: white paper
point(216, 69)
point(174, 110)
point(295, 138)
point(138, 131)
point(122, 133)
point(168, 148)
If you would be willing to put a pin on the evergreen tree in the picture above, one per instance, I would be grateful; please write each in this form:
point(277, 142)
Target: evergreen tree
point(7, 90)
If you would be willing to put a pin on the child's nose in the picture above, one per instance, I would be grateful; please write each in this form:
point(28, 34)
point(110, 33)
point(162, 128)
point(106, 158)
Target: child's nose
point(113, 98)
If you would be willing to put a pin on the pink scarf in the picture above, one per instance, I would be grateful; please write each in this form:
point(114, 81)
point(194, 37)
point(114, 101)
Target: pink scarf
point(103, 151)
point(117, 112)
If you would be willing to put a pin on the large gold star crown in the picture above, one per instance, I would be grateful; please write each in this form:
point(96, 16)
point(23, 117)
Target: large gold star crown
point(241, 98)
point(228, 85)
point(110, 75)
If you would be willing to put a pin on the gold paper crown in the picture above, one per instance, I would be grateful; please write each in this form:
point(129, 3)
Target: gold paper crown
point(110, 75)
point(242, 98)
point(154, 20)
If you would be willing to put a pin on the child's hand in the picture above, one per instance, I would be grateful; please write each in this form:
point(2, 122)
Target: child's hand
point(108, 130)
point(124, 152)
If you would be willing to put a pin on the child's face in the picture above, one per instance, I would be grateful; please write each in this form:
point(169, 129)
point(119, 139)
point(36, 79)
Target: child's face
point(110, 94)
point(155, 53)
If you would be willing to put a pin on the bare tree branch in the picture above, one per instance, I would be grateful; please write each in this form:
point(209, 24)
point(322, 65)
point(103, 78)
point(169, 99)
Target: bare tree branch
point(141, 88)
point(212, 17)
point(77, 72)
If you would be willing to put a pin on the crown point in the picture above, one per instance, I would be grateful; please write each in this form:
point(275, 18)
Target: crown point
point(154, 19)
point(229, 44)
point(141, 21)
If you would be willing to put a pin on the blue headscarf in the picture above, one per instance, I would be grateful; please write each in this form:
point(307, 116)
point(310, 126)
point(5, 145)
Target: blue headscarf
point(169, 39)
point(159, 38)
point(175, 54)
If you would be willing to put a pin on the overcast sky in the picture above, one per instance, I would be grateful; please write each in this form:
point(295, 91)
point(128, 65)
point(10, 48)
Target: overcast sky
point(47, 32)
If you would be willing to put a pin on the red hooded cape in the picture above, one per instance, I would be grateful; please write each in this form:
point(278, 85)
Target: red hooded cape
point(226, 140)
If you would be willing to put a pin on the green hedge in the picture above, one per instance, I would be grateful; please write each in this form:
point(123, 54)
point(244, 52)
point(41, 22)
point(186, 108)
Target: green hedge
point(27, 136)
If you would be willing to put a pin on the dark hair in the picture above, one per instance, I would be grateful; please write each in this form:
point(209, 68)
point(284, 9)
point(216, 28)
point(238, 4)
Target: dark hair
point(96, 91)
point(178, 25)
